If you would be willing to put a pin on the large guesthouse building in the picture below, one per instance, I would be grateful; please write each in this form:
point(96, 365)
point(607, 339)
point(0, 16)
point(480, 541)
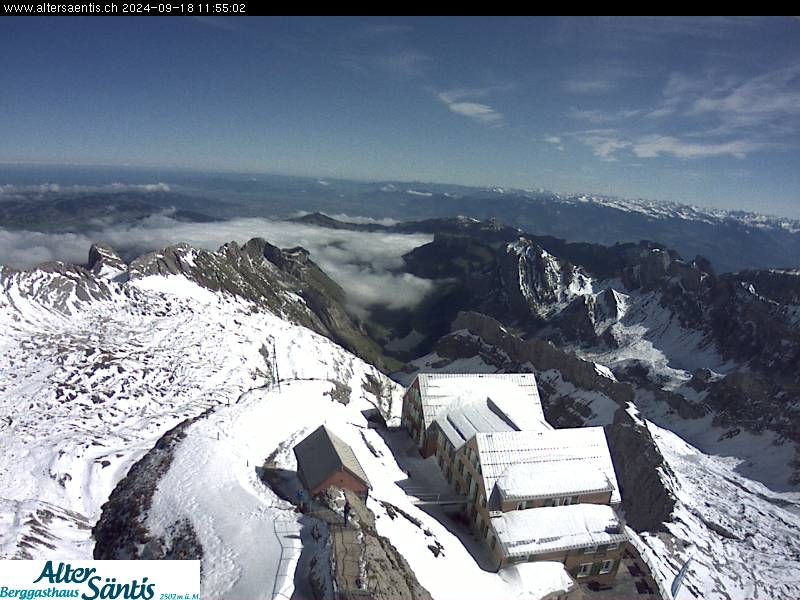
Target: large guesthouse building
point(532, 492)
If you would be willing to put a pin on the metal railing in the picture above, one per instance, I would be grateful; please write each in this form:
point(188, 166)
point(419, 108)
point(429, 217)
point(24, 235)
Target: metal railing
point(284, 528)
point(663, 591)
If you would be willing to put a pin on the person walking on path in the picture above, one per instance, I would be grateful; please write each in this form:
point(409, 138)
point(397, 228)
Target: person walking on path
point(346, 511)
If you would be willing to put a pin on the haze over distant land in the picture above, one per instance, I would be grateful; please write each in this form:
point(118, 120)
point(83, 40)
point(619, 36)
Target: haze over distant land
point(56, 213)
point(703, 111)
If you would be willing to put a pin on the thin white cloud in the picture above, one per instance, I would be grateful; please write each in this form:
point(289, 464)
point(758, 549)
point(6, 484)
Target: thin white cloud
point(652, 146)
point(711, 114)
point(600, 117)
point(461, 102)
point(403, 64)
point(607, 144)
point(587, 86)
point(555, 141)
point(225, 23)
point(477, 111)
point(660, 113)
point(409, 63)
point(604, 143)
point(768, 97)
point(646, 29)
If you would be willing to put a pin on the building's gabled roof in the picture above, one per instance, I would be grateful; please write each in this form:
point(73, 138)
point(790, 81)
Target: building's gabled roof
point(557, 528)
point(459, 421)
point(321, 453)
point(440, 390)
point(571, 452)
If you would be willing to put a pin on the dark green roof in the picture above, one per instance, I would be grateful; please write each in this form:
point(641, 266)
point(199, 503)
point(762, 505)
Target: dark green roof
point(321, 453)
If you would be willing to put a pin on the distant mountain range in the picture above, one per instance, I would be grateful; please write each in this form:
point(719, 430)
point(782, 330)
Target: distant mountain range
point(732, 240)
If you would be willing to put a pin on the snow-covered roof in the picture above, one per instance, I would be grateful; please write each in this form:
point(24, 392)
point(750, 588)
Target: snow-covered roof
point(557, 528)
point(571, 453)
point(549, 479)
point(439, 390)
point(460, 422)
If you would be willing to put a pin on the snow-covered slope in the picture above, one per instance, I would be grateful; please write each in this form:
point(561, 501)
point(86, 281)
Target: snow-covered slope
point(93, 372)
point(91, 384)
point(742, 537)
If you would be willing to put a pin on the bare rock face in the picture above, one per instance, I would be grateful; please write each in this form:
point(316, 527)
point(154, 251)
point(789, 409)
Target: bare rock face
point(536, 282)
point(381, 572)
point(106, 263)
point(640, 468)
point(389, 574)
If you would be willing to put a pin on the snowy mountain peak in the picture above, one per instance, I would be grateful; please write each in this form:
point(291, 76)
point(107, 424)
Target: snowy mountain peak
point(546, 283)
point(106, 263)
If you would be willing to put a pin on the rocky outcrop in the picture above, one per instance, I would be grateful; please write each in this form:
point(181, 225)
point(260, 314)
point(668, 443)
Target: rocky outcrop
point(639, 375)
point(542, 356)
point(536, 283)
point(270, 277)
point(780, 285)
point(365, 563)
point(751, 319)
point(121, 534)
point(641, 470)
point(106, 263)
point(750, 402)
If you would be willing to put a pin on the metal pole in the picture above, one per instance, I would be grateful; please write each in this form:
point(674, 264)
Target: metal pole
point(275, 364)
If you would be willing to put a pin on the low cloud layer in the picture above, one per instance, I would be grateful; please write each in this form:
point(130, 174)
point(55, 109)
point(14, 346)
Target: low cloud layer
point(364, 264)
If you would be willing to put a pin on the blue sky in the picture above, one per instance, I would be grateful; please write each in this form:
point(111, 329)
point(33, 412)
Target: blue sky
point(703, 111)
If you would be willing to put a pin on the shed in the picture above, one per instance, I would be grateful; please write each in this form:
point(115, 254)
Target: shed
point(324, 460)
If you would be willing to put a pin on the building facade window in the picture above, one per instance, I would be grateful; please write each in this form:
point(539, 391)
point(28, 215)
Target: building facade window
point(606, 567)
point(590, 550)
point(585, 569)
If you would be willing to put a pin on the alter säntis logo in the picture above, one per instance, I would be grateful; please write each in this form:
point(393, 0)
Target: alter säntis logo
point(100, 579)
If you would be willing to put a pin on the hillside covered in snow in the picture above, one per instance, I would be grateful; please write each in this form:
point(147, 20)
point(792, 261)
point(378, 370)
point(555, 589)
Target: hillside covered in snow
point(141, 402)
